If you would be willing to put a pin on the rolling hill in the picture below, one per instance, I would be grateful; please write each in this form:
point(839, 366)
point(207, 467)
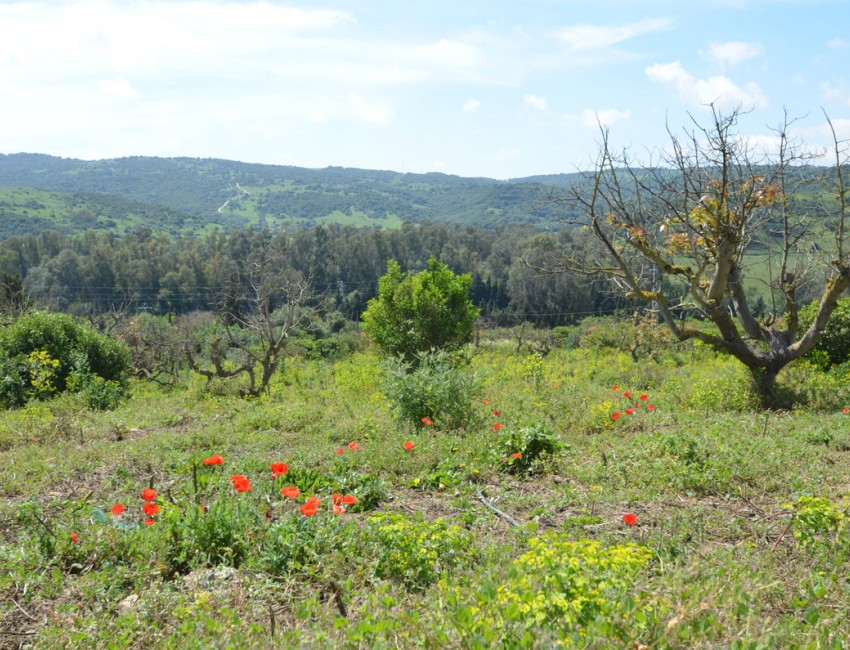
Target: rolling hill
point(190, 196)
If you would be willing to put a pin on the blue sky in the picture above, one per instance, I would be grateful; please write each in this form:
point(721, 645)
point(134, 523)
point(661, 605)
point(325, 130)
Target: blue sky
point(476, 88)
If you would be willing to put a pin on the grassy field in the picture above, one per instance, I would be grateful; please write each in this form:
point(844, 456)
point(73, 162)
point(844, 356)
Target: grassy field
point(739, 539)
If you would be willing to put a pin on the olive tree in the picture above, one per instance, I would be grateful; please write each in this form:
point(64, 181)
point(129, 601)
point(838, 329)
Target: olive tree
point(683, 233)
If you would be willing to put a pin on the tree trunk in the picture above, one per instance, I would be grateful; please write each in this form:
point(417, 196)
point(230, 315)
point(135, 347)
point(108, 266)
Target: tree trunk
point(764, 386)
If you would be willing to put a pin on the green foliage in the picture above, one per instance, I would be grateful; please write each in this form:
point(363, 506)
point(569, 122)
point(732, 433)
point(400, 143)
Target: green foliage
point(420, 313)
point(578, 581)
point(218, 536)
point(435, 388)
point(415, 552)
point(834, 346)
point(42, 354)
point(817, 521)
point(298, 543)
point(559, 587)
point(533, 444)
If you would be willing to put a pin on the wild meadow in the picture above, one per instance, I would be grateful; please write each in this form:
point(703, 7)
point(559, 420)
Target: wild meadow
point(578, 498)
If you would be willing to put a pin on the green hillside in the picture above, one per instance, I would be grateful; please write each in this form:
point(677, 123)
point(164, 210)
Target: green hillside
point(25, 210)
point(190, 195)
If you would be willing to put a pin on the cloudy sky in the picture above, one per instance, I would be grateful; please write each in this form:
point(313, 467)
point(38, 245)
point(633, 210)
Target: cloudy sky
point(494, 88)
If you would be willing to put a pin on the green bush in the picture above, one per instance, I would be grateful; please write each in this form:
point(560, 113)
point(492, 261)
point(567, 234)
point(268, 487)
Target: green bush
point(300, 543)
point(434, 388)
point(421, 313)
point(415, 552)
point(532, 443)
point(834, 346)
point(42, 354)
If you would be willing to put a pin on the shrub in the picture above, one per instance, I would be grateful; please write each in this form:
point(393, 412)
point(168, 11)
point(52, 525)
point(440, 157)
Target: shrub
point(42, 354)
point(415, 552)
point(834, 347)
point(434, 388)
point(532, 443)
point(297, 542)
point(425, 312)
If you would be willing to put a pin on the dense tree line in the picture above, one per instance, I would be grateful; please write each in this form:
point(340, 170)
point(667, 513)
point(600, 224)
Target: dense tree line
point(96, 271)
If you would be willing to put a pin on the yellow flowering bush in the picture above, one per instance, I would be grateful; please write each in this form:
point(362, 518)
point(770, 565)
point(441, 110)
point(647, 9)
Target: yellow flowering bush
point(415, 551)
point(568, 583)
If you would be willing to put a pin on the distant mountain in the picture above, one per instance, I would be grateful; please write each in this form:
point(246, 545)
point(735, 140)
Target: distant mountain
point(190, 196)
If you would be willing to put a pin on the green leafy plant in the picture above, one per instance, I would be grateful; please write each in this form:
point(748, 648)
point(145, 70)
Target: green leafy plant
point(40, 351)
point(296, 543)
point(435, 389)
point(422, 312)
point(415, 552)
point(519, 449)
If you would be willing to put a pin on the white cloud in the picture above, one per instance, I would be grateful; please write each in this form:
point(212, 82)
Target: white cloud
point(734, 52)
point(717, 90)
point(593, 37)
point(118, 88)
point(839, 93)
point(837, 44)
point(536, 102)
point(471, 106)
point(605, 116)
point(363, 111)
point(506, 154)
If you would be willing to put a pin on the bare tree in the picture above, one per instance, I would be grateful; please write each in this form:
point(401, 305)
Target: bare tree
point(682, 235)
point(264, 302)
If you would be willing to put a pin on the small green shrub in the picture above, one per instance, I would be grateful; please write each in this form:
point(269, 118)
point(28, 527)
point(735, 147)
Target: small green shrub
point(834, 346)
point(40, 351)
point(817, 521)
point(519, 449)
point(298, 543)
point(436, 388)
point(415, 552)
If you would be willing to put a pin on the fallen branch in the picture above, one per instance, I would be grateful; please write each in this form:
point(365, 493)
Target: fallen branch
point(503, 515)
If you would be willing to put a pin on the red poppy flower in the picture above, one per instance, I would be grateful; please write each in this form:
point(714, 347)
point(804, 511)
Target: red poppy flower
point(628, 411)
point(74, 538)
point(497, 426)
point(630, 519)
point(497, 413)
point(615, 416)
point(279, 469)
point(340, 451)
point(150, 521)
point(846, 412)
point(205, 508)
point(650, 407)
point(308, 510)
point(242, 485)
point(150, 509)
point(516, 454)
point(353, 446)
point(336, 498)
point(338, 510)
point(486, 401)
point(148, 494)
point(408, 446)
point(313, 501)
point(644, 397)
point(213, 460)
point(349, 499)
point(627, 394)
point(427, 421)
point(615, 387)
point(290, 491)
point(117, 509)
